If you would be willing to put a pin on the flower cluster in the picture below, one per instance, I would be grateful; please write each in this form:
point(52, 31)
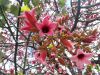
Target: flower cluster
point(54, 39)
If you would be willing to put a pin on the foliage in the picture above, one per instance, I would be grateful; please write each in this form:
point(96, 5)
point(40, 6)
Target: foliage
point(5, 4)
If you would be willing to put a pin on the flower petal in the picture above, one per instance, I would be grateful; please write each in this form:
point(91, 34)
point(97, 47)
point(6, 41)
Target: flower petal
point(52, 25)
point(43, 55)
point(41, 34)
point(32, 12)
point(50, 32)
point(46, 20)
point(25, 28)
point(74, 58)
point(87, 61)
point(88, 55)
point(39, 26)
point(79, 51)
point(80, 65)
point(30, 18)
point(28, 23)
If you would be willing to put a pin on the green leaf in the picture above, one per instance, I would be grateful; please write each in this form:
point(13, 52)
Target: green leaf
point(2, 21)
point(64, 12)
point(14, 10)
point(20, 73)
point(97, 67)
point(2, 38)
point(0, 24)
point(5, 4)
point(1, 18)
point(26, 2)
point(62, 3)
point(90, 67)
point(1, 55)
point(36, 2)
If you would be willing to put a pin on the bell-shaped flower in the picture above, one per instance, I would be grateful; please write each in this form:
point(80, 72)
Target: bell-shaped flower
point(46, 27)
point(29, 21)
point(81, 58)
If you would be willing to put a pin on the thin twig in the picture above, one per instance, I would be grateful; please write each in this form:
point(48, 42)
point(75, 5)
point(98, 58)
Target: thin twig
point(7, 23)
point(89, 6)
point(26, 53)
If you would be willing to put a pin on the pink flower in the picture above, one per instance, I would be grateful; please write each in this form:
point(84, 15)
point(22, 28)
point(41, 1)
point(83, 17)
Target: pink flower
point(60, 70)
point(11, 71)
point(29, 20)
point(81, 57)
point(41, 56)
point(46, 27)
point(47, 73)
point(53, 55)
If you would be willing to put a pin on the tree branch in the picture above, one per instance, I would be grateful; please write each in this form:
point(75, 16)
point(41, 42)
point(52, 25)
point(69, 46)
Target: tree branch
point(56, 6)
point(76, 17)
point(16, 45)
